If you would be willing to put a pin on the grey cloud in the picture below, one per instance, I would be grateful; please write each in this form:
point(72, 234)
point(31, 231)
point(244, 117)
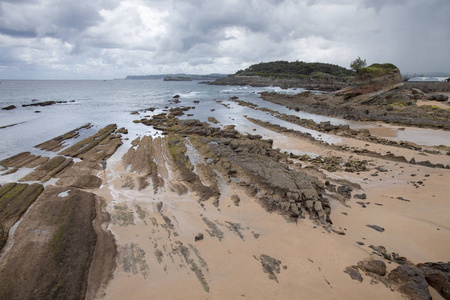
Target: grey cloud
point(18, 1)
point(51, 18)
point(224, 35)
point(197, 22)
point(379, 4)
point(18, 33)
point(77, 16)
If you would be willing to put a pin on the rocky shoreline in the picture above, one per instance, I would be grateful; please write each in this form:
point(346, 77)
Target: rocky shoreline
point(66, 221)
point(324, 84)
point(201, 210)
point(385, 98)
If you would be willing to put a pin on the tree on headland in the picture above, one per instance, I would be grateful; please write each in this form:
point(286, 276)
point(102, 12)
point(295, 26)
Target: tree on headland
point(358, 64)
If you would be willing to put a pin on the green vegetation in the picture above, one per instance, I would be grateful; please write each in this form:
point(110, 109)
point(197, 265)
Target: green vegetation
point(13, 192)
point(401, 104)
point(88, 143)
point(294, 70)
point(377, 69)
point(6, 188)
point(3, 236)
point(177, 150)
point(358, 64)
point(433, 107)
point(58, 242)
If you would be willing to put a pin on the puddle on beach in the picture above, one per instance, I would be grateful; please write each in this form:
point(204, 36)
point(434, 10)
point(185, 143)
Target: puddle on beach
point(383, 132)
point(420, 136)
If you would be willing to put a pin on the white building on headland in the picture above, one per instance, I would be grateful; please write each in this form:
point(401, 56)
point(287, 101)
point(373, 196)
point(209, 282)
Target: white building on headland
point(428, 79)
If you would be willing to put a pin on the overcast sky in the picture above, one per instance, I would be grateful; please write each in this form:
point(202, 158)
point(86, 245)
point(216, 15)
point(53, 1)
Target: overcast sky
point(104, 39)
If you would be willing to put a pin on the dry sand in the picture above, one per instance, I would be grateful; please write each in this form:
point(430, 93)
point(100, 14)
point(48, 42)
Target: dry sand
point(160, 259)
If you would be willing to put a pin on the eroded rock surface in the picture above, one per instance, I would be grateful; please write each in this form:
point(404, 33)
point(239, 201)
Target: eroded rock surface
point(249, 161)
point(54, 248)
point(59, 247)
point(375, 98)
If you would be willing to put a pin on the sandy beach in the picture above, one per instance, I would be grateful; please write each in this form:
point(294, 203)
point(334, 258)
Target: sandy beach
point(192, 229)
point(310, 261)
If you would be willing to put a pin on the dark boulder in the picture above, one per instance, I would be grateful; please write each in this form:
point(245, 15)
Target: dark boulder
point(439, 97)
point(199, 237)
point(410, 281)
point(353, 272)
point(345, 190)
point(438, 276)
point(236, 200)
point(10, 107)
point(373, 266)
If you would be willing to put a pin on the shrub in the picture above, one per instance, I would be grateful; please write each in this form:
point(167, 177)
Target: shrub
point(377, 69)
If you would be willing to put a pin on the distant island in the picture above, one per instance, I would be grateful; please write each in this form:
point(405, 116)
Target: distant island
point(177, 77)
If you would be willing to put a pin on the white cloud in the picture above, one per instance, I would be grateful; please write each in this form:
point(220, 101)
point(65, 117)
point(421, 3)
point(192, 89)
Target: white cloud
point(105, 38)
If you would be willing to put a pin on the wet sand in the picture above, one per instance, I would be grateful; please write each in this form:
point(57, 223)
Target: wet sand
point(250, 253)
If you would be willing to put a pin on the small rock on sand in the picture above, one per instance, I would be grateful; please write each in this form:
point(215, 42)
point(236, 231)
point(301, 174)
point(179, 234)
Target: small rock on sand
point(376, 227)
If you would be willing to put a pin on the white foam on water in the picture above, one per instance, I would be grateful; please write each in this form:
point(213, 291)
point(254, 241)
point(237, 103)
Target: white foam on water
point(64, 194)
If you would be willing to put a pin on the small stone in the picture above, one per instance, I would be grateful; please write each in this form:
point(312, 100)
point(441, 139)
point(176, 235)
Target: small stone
point(354, 273)
point(199, 237)
point(376, 227)
point(236, 200)
point(403, 199)
point(318, 206)
point(360, 196)
point(339, 232)
point(381, 169)
point(363, 205)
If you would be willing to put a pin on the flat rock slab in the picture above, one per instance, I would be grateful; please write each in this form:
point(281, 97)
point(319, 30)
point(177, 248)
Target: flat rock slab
point(376, 227)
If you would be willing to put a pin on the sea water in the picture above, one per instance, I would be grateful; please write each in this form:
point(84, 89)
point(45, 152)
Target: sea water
point(103, 102)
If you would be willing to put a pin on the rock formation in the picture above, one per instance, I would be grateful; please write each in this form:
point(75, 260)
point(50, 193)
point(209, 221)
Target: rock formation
point(59, 248)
